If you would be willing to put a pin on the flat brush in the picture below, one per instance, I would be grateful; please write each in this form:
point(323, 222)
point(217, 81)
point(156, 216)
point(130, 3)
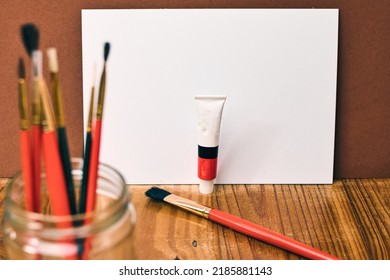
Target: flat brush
point(61, 128)
point(25, 141)
point(96, 136)
point(30, 38)
point(240, 225)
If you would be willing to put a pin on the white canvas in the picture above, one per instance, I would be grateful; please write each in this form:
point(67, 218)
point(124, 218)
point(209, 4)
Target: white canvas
point(278, 68)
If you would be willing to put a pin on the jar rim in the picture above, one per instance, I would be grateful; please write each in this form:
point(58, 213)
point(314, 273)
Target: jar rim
point(19, 211)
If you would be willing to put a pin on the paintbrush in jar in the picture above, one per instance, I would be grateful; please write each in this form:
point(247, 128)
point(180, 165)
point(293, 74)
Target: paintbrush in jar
point(87, 151)
point(25, 140)
point(61, 128)
point(96, 137)
point(30, 38)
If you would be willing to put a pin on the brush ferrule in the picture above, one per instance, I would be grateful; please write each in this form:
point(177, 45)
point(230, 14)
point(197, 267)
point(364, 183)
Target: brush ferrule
point(57, 99)
point(49, 123)
point(189, 205)
point(36, 104)
point(23, 105)
point(90, 114)
point(102, 89)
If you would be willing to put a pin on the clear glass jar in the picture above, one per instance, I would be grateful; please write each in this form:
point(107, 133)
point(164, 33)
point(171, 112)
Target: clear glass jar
point(107, 233)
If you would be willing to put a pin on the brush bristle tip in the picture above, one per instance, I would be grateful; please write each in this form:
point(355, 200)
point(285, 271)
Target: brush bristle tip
point(21, 69)
point(53, 60)
point(107, 47)
point(157, 193)
point(30, 37)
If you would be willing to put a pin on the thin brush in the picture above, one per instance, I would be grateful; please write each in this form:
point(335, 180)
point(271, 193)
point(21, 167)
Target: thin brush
point(61, 128)
point(87, 150)
point(96, 135)
point(25, 140)
point(240, 225)
point(30, 38)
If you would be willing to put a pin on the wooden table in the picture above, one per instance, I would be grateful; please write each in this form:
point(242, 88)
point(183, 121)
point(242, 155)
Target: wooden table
point(349, 219)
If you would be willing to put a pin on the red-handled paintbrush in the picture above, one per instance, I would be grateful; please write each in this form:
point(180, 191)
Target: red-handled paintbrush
point(96, 138)
point(30, 37)
point(95, 150)
point(240, 225)
point(61, 128)
point(25, 141)
point(56, 183)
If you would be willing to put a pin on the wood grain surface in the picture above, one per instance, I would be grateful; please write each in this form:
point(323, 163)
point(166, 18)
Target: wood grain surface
point(349, 219)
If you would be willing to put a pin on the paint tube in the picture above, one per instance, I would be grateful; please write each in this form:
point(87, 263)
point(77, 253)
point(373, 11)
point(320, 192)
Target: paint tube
point(209, 113)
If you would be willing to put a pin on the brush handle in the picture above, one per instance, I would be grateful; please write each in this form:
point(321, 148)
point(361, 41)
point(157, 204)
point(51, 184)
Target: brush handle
point(36, 163)
point(54, 175)
point(67, 167)
point(27, 173)
point(92, 180)
point(84, 181)
point(93, 167)
point(27, 170)
point(56, 181)
point(268, 236)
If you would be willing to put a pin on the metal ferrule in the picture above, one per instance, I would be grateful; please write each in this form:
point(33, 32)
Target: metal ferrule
point(36, 104)
point(57, 99)
point(49, 123)
point(189, 205)
point(23, 105)
point(90, 114)
point(102, 88)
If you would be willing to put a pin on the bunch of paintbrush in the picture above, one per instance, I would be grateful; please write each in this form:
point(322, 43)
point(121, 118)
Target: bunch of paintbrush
point(44, 140)
point(45, 136)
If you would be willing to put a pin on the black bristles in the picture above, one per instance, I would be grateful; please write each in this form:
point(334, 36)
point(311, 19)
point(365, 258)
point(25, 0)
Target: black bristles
point(30, 37)
point(106, 51)
point(21, 69)
point(157, 193)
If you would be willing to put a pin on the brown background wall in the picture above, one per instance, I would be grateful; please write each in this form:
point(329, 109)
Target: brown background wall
point(363, 95)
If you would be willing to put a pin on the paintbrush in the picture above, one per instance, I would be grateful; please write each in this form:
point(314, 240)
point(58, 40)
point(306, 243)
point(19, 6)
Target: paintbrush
point(54, 174)
point(96, 136)
point(25, 141)
point(61, 128)
point(238, 224)
point(55, 178)
point(30, 38)
point(87, 151)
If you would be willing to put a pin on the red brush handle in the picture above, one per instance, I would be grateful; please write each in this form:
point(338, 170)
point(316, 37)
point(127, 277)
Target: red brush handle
point(55, 175)
point(55, 178)
point(92, 179)
point(268, 236)
point(36, 156)
point(27, 170)
point(93, 166)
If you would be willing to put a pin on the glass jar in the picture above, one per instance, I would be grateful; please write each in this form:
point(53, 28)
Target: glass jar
point(107, 233)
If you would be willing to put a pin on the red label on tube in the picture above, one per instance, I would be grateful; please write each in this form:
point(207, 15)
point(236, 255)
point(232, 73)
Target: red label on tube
point(207, 168)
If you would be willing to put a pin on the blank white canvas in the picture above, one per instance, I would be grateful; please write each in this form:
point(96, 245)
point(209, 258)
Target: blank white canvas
point(278, 68)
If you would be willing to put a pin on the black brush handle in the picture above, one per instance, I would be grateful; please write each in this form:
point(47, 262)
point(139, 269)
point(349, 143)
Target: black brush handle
point(67, 167)
point(84, 181)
